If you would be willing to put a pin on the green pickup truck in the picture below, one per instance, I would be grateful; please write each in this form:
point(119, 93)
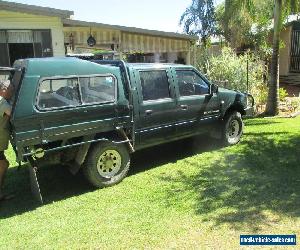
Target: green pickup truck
point(94, 114)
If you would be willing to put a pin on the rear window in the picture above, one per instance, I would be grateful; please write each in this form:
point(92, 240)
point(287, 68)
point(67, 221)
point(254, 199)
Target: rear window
point(155, 85)
point(57, 93)
point(97, 89)
point(70, 92)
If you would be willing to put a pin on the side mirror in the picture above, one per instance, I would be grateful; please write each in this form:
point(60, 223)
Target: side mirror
point(214, 88)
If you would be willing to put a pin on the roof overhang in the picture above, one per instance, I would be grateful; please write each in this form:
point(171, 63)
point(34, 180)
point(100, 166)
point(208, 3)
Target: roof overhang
point(33, 9)
point(78, 23)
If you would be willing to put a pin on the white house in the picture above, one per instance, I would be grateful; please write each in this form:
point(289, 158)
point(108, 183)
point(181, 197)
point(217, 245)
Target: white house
point(34, 31)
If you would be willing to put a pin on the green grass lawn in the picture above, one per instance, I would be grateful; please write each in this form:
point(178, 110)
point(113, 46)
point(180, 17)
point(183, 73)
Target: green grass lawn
point(188, 194)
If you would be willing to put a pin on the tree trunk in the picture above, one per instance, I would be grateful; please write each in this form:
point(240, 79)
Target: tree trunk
point(273, 95)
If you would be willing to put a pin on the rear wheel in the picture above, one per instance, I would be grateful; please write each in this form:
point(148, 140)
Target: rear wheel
point(107, 164)
point(233, 128)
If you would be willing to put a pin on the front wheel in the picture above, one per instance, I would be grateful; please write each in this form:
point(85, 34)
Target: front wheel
point(232, 128)
point(107, 164)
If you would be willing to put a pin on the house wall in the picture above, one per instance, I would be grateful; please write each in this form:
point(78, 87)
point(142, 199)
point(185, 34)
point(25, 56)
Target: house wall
point(128, 43)
point(81, 34)
point(16, 20)
point(150, 44)
point(284, 57)
point(124, 42)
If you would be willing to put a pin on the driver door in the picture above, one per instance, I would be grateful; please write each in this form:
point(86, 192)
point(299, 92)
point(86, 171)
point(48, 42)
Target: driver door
point(197, 108)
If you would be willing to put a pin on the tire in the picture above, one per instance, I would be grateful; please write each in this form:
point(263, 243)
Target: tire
point(107, 164)
point(232, 129)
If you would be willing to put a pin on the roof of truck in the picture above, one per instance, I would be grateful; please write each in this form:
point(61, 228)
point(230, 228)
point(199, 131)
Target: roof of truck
point(48, 60)
point(62, 62)
point(62, 66)
point(157, 65)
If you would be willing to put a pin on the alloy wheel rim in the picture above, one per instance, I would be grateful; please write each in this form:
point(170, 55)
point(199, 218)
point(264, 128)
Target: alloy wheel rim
point(109, 163)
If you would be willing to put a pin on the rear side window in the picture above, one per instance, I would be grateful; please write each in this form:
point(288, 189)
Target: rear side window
point(190, 83)
point(57, 93)
point(97, 89)
point(70, 92)
point(155, 85)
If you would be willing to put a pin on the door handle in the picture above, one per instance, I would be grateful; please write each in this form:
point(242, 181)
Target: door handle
point(149, 112)
point(184, 107)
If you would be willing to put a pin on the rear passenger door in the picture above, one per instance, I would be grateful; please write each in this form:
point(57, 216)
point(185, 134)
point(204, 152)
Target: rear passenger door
point(157, 106)
point(197, 108)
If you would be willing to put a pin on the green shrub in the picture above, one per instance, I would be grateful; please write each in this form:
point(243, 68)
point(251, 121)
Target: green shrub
point(230, 71)
point(282, 94)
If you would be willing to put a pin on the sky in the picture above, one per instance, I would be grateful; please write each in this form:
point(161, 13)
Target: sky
point(161, 15)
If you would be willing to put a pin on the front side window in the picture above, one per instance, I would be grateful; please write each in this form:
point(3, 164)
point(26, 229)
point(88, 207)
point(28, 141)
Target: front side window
point(57, 93)
point(155, 85)
point(190, 83)
point(97, 89)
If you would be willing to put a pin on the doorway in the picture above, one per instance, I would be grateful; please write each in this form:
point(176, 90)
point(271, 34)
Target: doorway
point(20, 44)
point(20, 51)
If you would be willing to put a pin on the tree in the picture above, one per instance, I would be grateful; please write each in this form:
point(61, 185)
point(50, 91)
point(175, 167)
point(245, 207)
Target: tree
point(273, 95)
point(245, 27)
point(199, 19)
point(281, 9)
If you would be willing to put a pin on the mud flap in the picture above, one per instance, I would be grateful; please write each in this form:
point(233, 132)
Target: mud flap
point(35, 187)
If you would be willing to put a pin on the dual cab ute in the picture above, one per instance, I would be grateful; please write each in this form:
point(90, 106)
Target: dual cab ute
point(94, 114)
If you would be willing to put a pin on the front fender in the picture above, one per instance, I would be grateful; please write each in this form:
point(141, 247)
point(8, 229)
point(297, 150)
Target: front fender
point(236, 101)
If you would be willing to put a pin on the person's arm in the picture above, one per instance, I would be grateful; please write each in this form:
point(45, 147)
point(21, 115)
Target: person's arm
point(5, 108)
point(8, 111)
